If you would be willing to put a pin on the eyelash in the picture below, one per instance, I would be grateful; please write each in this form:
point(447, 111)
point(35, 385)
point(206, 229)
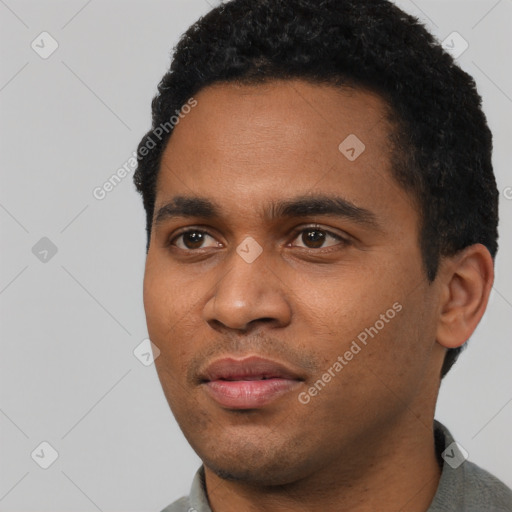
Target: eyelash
point(343, 241)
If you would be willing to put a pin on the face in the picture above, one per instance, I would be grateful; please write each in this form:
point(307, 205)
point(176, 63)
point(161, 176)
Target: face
point(284, 283)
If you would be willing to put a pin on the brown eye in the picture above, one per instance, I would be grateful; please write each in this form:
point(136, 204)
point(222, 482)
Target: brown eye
point(315, 238)
point(192, 239)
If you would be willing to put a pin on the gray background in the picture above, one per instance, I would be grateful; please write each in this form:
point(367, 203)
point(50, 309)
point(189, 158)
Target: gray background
point(70, 323)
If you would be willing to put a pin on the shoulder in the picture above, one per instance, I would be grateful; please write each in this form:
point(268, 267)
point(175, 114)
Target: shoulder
point(181, 505)
point(464, 485)
point(485, 488)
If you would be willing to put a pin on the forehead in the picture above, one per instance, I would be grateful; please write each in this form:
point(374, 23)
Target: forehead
point(249, 143)
point(284, 113)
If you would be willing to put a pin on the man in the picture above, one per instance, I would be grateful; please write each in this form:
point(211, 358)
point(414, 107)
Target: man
point(322, 224)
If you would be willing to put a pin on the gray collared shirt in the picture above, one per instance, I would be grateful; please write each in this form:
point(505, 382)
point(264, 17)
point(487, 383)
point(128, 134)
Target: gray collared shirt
point(463, 485)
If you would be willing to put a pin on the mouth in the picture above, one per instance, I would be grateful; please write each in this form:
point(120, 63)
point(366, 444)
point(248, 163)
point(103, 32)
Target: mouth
point(248, 383)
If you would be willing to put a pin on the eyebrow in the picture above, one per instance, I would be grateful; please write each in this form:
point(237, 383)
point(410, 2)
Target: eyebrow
point(303, 206)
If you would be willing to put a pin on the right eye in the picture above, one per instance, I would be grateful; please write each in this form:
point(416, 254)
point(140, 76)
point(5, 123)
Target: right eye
point(192, 239)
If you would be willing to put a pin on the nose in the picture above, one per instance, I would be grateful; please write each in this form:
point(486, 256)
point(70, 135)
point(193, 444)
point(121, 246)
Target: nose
point(248, 294)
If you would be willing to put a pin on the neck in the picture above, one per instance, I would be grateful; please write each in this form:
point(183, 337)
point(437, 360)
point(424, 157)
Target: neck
point(395, 470)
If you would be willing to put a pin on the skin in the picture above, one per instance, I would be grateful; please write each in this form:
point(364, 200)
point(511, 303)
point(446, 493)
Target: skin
point(365, 441)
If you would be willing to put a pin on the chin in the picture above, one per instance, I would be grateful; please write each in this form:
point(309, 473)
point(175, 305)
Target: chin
point(261, 476)
point(257, 464)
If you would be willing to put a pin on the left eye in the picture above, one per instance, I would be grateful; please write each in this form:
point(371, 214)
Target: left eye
point(314, 238)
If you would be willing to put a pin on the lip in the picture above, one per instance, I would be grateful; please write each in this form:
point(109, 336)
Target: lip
point(248, 383)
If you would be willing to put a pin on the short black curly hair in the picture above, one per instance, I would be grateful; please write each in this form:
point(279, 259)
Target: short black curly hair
point(442, 143)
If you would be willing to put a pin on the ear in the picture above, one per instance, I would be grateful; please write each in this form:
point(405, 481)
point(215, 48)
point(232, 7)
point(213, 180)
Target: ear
point(466, 282)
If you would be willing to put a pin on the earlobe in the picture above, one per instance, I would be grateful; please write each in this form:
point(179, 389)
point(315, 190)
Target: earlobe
point(467, 281)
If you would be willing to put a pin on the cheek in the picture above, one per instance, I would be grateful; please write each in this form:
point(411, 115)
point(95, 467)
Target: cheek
point(165, 307)
point(371, 318)
point(342, 306)
point(166, 300)
point(173, 314)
